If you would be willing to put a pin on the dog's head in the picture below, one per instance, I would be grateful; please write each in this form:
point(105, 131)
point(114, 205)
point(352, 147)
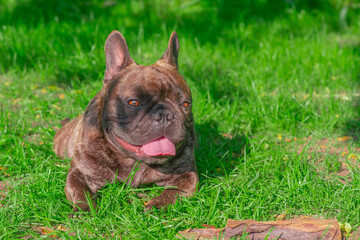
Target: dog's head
point(146, 109)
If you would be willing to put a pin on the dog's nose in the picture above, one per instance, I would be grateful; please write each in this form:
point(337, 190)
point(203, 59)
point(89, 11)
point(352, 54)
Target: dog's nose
point(162, 113)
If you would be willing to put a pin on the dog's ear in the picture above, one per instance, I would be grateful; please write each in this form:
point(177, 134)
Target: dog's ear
point(117, 55)
point(172, 52)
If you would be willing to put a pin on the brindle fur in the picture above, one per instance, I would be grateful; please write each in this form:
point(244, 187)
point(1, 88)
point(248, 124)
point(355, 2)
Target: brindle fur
point(89, 140)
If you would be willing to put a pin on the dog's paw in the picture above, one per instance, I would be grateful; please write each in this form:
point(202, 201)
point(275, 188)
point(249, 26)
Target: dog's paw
point(160, 202)
point(155, 203)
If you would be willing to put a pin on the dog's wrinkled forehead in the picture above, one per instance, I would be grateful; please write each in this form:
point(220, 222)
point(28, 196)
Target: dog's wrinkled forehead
point(157, 81)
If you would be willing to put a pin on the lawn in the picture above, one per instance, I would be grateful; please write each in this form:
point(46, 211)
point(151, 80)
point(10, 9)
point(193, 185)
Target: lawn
point(276, 87)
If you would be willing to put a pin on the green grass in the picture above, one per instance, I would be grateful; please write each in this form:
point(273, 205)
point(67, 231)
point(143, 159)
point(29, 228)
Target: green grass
point(255, 70)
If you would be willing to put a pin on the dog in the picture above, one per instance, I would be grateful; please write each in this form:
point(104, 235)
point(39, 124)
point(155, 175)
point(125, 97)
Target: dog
point(138, 129)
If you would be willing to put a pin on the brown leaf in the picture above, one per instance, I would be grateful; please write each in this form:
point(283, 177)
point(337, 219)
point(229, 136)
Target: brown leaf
point(355, 235)
point(290, 229)
point(295, 229)
point(228, 136)
point(343, 139)
point(208, 226)
point(206, 233)
point(281, 216)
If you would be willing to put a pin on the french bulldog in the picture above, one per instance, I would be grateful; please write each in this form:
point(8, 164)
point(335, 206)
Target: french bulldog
point(138, 129)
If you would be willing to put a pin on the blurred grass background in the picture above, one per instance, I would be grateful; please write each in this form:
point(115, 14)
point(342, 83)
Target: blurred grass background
point(261, 72)
point(49, 31)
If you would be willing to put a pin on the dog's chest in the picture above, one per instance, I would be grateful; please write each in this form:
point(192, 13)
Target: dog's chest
point(137, 173)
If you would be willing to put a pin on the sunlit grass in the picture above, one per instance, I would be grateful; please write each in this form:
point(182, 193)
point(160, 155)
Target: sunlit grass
point(260, 87)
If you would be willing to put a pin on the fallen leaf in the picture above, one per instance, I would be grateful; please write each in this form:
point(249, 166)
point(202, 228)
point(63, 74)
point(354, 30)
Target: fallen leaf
point(208, 226)
point(228, 136)
point(206, 233)
point(346, 228)
point(343, 139)
point(61, 228)
point(45, 230)
point(294, 229)
point(353, 156)
point(355, 235)
point(281, 216)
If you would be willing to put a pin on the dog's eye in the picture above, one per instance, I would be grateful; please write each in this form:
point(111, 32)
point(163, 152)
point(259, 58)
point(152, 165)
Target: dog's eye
point(134, 103)
point(185, 104)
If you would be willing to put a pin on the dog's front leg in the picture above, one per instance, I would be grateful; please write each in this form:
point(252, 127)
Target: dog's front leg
point(76, 190)
point(185, 186)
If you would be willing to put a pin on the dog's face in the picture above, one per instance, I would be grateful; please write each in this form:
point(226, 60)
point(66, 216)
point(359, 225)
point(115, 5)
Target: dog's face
point(147, 109)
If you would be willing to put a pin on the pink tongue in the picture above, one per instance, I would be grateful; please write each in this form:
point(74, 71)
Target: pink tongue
point(159, 147)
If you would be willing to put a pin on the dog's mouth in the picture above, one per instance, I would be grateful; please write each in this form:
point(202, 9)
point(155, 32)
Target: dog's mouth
point(159, 147)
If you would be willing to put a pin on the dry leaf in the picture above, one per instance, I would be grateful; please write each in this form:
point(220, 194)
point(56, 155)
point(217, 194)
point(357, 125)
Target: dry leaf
point(343, 139)
point(295, 229)
point(281, 216)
